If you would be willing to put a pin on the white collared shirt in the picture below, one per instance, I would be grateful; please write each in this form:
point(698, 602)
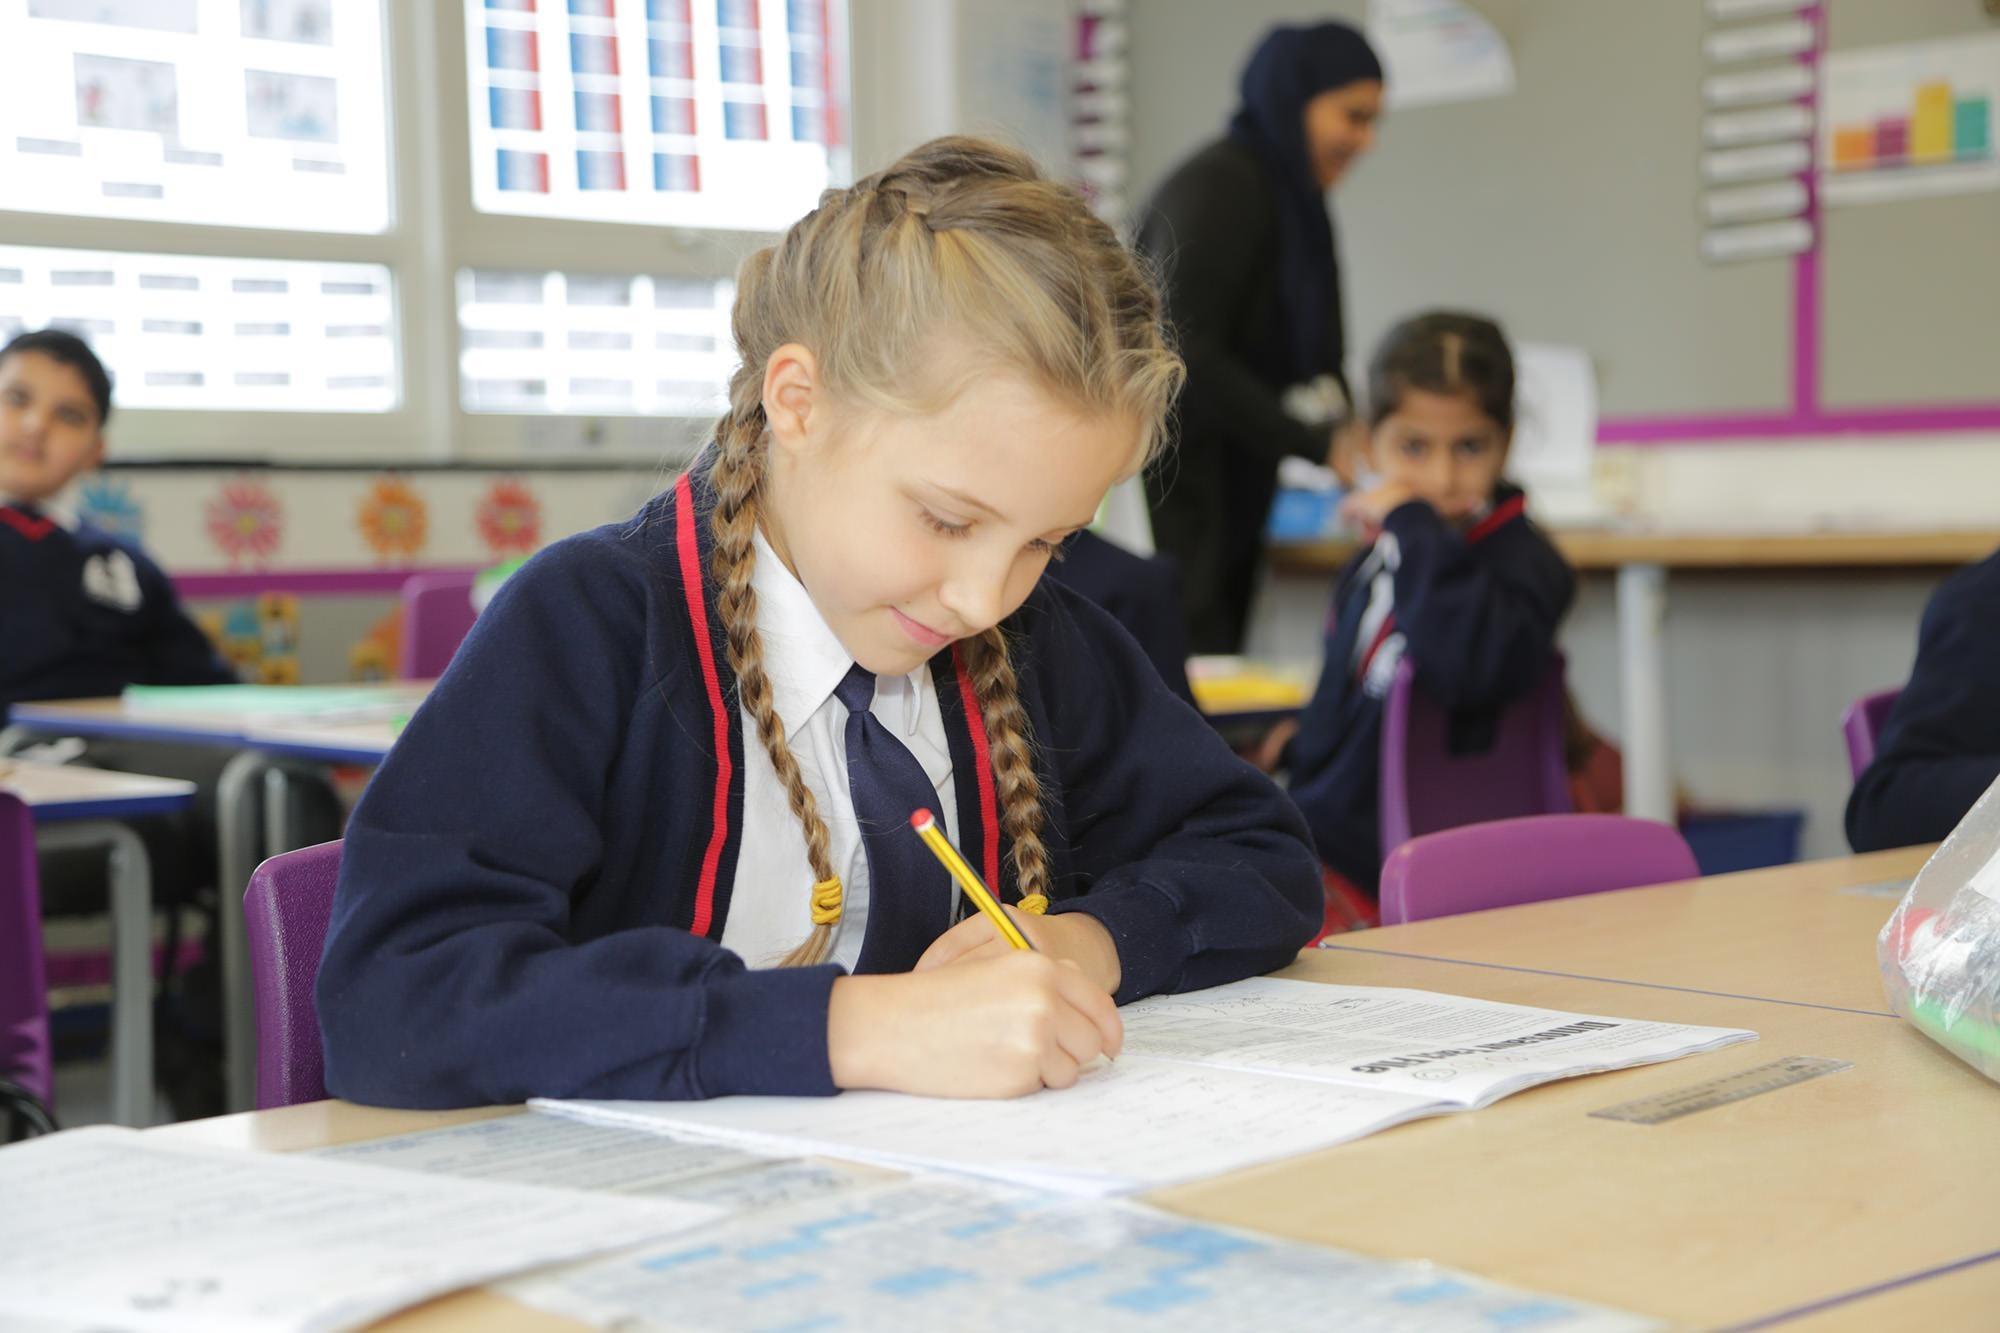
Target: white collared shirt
point(770, 908)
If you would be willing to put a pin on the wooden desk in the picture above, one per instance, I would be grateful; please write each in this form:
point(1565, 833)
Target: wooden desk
point(1641, 560)
point(265, 744)
point(1861, 1194)
point(86, 808)
point(1788, 934)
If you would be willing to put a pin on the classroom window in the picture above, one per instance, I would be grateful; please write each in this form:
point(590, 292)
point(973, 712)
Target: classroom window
point(249, 113)
point(722, 114)
point(193, 332)
point(593, 344)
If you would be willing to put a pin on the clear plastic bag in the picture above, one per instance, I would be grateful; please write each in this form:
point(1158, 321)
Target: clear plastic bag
point(1940, 952)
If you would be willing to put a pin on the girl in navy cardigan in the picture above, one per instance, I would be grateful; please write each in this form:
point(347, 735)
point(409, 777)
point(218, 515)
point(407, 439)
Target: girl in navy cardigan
point(1454, 575)
point(619, 852)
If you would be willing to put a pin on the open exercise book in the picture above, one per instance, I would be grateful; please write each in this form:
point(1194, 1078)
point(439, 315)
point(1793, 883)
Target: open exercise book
point(1209, 1082)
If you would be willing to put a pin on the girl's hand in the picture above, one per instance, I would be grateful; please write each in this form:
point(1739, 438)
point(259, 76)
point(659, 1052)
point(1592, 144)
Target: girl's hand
point(1270, 751)
point(1075, 936)
point(995, 1027)
point(1367, 509)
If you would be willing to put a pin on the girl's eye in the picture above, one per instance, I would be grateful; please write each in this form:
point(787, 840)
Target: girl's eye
point(1053, 550)
point(943, 528)
point(1414, 448)
point(1472, 448)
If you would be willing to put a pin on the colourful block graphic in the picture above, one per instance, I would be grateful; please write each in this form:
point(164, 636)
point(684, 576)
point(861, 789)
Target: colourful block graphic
point(736, 13)
point(515, 108)
point(512, 6)
point(590, 53)
point(669, 11)
point(679, 172)
point(805, 18)
point(671, 58)
point(673, 115)
point(600, 171)
point(594, 9)
point(745, 120)
point(1892, 141)
point(1853, 147)
point(508, 48)
point(524, 171)
point(1930, 128)
point(808, 124)
point(742, 64)
point(1972, 128)
point(598, 113)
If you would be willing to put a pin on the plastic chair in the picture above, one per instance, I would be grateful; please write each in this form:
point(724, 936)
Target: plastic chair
point(437, 615)
point(285, 911)
point(1518, 861)
point(1425, 787)
point(25, 1060)
point(1862, 723)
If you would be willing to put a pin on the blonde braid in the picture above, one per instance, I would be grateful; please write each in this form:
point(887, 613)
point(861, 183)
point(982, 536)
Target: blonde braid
point(734, 524)
point(1013, 751)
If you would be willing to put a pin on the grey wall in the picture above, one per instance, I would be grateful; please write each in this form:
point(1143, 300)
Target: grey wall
point(1569, 208)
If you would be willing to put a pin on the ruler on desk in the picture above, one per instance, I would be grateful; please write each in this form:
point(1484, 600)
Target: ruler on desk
point(1751, 1082)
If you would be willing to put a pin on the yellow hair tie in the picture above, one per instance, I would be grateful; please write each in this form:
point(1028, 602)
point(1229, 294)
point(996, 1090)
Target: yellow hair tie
point(1035, 903)
point(826, 901)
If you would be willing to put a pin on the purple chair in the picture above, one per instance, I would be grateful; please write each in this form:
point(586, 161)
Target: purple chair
point(1862, 723)
point(24, 997)
point(1425, 787)
point(437, 615)
point(1517, 861)
point(285, 911)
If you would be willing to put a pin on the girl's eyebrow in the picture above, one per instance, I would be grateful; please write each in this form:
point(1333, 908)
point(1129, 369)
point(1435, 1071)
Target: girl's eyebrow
point(972, 502)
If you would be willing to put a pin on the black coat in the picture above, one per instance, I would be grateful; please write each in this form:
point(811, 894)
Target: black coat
point(1212, 230)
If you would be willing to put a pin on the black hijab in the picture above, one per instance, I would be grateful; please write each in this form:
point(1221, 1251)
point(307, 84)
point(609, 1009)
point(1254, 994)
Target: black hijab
point(1289, 68)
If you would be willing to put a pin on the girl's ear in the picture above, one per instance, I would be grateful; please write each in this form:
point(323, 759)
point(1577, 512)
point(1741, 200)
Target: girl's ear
point(791, 395)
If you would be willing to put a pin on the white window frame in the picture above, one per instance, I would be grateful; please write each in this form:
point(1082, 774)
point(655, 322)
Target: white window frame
point(435, 232)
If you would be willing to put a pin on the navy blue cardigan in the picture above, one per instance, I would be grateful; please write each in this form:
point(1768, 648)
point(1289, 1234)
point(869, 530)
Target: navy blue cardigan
point(86, 613)
point(535, 882)
point(1940, 749)
point(1475, 611)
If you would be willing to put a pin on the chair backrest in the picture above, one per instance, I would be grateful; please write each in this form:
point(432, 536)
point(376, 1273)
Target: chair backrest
point(1515, 861)
point(24, 995)
point(285, 912)
point(1862, 723)
point(437, 615)
point(1425, 787)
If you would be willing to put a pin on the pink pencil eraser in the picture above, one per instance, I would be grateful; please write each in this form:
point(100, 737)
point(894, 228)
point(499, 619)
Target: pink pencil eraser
point(919, 818)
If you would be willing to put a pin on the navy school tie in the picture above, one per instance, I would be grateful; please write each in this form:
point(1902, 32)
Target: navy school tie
point(909, 893)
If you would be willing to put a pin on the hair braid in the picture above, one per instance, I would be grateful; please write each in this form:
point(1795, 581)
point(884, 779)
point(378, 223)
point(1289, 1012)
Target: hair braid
point(734, 523)
point(1013, 750)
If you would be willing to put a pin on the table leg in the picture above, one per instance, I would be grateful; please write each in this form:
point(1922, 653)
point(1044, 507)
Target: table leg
point(238, 819)
point(1642, 610)
point(131, 959)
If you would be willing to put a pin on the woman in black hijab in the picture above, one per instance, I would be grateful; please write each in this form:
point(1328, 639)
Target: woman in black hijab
point(1244, 240)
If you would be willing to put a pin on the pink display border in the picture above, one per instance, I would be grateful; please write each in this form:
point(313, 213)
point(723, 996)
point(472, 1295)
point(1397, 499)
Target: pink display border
point(1806, 417)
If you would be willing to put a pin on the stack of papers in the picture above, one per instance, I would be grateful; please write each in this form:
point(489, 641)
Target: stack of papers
point(1209, 1082)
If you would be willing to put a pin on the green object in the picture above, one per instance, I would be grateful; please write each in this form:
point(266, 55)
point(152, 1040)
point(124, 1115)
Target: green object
point(1978, 1043)
point(312, 701)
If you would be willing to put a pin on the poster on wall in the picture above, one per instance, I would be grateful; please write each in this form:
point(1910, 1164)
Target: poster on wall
point(1438, 51)
point(1910, 120)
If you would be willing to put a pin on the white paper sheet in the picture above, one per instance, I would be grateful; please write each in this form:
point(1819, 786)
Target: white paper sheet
point(107, 1226)
point(1446, 1048)
point(926, 1255)
point(1134, 1125)
point(562, 1153)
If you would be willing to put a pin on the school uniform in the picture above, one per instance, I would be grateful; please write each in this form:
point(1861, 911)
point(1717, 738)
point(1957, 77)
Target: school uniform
point(86, 613)
point(1940, 748)
point(565, 876)
point(1476, 612)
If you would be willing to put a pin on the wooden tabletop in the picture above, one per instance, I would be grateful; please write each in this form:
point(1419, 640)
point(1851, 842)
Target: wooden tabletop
point(69, 791)
point(1872, 1177)
point(1606, 549)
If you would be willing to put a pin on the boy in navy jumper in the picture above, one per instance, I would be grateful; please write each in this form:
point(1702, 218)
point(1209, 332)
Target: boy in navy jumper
point(649, 837)
point(84, 612)
point(1454, 576)
point(1940, 749)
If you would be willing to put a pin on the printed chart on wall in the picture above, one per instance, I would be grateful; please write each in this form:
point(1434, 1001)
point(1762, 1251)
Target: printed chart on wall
point(261, 113)
point(697, 113)
point(1909, 120)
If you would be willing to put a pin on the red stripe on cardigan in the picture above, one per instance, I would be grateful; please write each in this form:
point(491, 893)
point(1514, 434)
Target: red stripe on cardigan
point(691, 580)
point(989, 813)
point(34, 529)
point(1501, 515)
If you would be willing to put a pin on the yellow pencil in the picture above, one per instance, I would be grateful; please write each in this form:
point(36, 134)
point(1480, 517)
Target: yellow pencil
point(968, 879)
